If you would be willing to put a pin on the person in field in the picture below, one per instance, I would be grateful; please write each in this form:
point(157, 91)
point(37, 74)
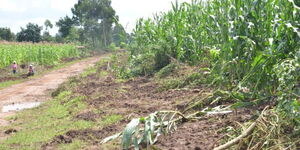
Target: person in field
point(14, 67)
point(30, 71)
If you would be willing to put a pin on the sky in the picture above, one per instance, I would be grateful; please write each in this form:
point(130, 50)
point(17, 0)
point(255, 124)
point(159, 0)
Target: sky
point(17, 13)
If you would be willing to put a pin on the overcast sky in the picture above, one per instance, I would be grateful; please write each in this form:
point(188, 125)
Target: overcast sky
point(17, 13)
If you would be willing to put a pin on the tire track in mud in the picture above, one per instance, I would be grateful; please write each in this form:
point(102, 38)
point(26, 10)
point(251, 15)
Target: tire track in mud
point(37, 89)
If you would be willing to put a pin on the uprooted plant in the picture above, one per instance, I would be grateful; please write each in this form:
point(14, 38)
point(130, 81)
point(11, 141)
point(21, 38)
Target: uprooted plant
point(269, 131)
point(144, 131)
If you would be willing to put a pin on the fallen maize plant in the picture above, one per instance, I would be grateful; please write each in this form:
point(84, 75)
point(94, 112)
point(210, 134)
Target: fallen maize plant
point(145, 131)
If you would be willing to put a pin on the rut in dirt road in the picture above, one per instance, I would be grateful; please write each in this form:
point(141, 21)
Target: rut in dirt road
point(37, 89)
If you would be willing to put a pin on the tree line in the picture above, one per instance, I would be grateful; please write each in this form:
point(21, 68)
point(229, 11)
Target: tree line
point(93, 22)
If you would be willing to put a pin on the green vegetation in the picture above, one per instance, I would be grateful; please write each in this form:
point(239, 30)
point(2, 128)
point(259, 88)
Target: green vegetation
point(111, 119)
point(9, 83)
point(24, 53)
point(54, 118)
point(247, 53)
point(58, 66)
point(252, 48)
point(93, 24)
point(32, 33)
point(89, 71)
point(6, 34)
point(249, 49)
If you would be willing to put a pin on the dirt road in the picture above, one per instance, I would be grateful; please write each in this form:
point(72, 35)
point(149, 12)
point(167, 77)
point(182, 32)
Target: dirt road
point(37, 89)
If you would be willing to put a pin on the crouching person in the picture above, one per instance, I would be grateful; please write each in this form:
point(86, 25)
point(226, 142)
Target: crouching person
point(30, 71)
point(14, 67)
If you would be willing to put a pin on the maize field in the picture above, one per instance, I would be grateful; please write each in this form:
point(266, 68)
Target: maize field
point(251, 47)
point(44, 54)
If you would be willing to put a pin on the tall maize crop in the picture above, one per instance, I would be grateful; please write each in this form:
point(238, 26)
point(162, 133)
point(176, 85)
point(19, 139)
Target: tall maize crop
point(44, 54)
point(249, 43)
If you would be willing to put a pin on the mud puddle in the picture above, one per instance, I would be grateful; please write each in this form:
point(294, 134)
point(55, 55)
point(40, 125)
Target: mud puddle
point(19, 106)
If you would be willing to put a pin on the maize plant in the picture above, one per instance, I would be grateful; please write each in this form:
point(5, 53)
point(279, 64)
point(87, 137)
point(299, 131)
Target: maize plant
point(48, 54)
point(245, 41)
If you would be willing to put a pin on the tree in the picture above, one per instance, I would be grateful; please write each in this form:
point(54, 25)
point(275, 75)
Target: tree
point(65, 24)
point(59, 38)
point(73, 35)
point(31, 33)
point(46, 35)
point(97, 17)
point(6, 34)
point(119, 35)
point(48, 24)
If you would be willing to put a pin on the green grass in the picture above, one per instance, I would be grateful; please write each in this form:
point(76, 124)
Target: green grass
point(38, 126)
point(9, 83)
point(103, 74)
point(110, 119)
point(89, 71)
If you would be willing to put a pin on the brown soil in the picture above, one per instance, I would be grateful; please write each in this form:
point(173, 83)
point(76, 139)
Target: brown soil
point(90, 135)
point(140, 97)
point(204, 134)
point(134, 98)
point(6, 73)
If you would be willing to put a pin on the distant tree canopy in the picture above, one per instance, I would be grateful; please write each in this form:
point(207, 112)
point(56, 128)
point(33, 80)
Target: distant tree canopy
point(65, 25)
point(94, 22)
point(48, 24)
point(6, 34)
point(46, 35)
point(32, 33)
point(97, 18)
point(119, 35)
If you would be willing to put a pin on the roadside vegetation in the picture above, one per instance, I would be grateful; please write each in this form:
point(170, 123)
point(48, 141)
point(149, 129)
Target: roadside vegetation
point(65, 112)
point(248, 52)
point(204, 75)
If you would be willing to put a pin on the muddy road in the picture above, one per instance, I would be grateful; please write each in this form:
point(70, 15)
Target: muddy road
point(38, 89)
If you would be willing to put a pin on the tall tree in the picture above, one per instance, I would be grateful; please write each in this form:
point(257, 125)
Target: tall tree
point(32, 33)
point(65, 25)
point(119, 34)
point(46, 35)
point(48, 24)
point(6, 34)
point(73, 35)
point(97, 17)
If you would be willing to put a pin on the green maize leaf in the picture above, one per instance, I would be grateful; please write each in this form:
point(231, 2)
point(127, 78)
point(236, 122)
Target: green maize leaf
point(128, 132)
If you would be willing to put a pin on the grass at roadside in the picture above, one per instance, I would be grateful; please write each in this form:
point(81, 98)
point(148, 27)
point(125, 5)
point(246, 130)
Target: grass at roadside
point(10, 83)
point(39, 126)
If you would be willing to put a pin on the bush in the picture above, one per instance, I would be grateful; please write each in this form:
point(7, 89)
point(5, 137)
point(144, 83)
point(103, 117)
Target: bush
point(112, 47)
point(123, 45)
point(166, 71)
point(142, 65)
